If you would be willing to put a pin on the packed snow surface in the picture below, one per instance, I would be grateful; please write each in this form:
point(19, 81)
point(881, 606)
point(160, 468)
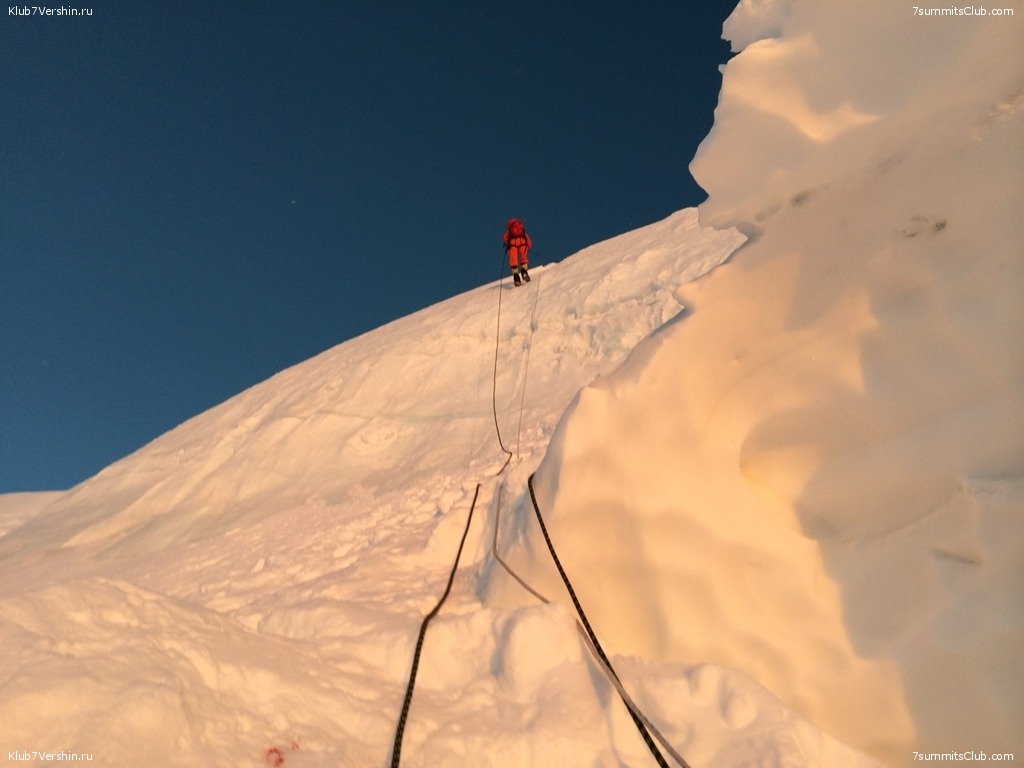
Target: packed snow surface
point(788, 485)
point(248, 588)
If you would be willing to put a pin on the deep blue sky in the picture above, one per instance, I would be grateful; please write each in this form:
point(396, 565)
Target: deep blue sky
point(198, 195)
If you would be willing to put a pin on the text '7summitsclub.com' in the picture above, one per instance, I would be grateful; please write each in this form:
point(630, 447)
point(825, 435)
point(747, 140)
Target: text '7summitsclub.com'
point(961, 10)
point(971, 756)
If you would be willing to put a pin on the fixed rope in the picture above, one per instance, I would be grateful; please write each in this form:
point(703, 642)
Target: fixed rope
point(494, 381)
point(597, 655)
point(526, 369)
point(396, 751)
point(643, 724)
point(640, 726)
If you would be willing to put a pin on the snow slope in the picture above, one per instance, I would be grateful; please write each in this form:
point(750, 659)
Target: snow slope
point(247, 589)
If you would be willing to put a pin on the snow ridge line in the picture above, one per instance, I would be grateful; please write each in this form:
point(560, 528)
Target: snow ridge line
point(396, 752)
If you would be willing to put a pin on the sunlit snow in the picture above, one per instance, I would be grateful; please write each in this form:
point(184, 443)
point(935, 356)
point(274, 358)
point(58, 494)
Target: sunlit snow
point(784, 469)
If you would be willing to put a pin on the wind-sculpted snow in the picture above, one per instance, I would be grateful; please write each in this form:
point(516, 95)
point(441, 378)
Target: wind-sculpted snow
point(818, 476)
point(825, 93)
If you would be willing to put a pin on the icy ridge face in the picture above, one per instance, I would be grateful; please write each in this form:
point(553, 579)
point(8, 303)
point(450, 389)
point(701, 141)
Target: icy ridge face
point(814, 478)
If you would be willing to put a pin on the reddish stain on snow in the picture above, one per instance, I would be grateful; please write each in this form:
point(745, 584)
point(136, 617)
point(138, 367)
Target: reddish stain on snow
point(275, 755)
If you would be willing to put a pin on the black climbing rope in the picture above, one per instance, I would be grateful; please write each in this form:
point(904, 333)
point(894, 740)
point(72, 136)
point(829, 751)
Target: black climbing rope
point(526, 369)
point(643, 725)
point(396, 751)
point(590, 630)
point(599, 659)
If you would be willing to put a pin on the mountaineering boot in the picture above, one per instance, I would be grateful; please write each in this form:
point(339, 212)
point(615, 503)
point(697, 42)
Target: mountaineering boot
point(516, 279)
point(525, 274)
